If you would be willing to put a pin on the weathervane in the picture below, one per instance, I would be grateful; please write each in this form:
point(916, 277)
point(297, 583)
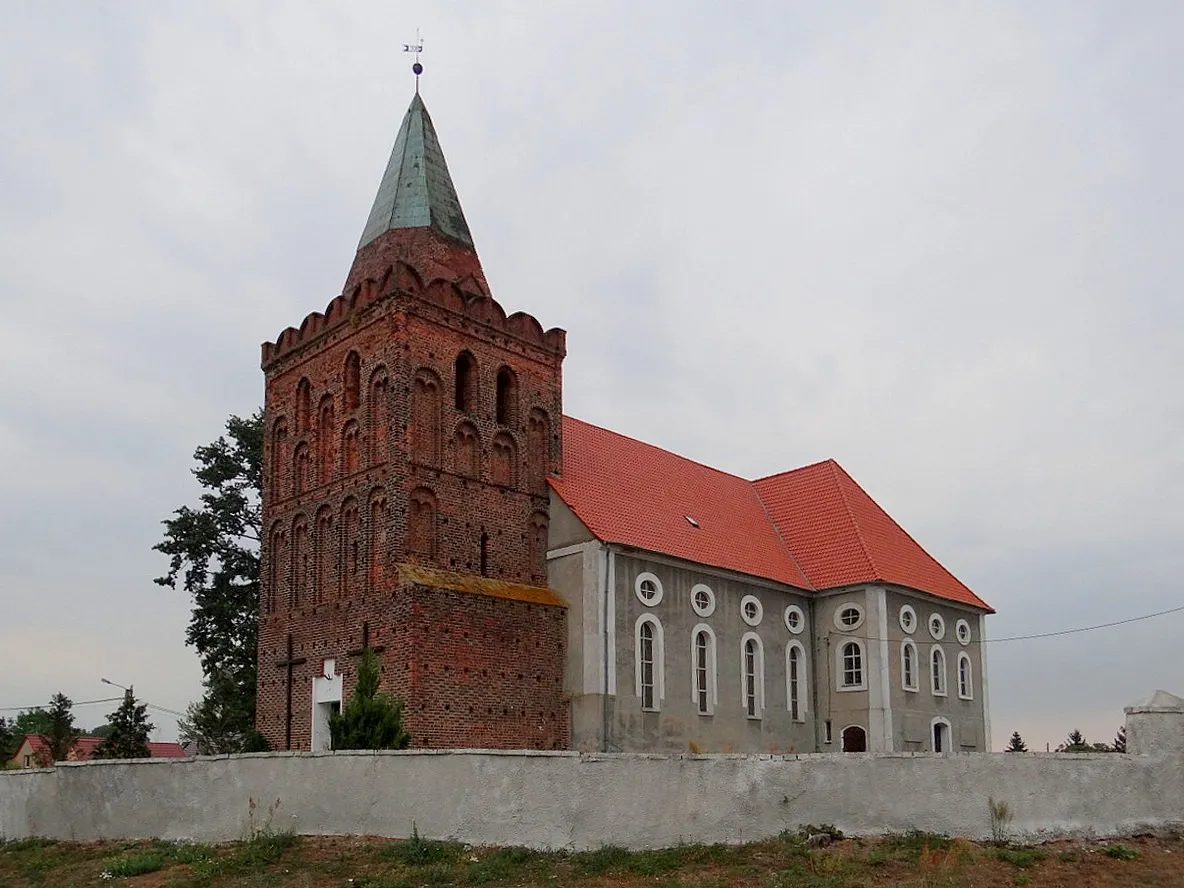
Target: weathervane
point(417, 48)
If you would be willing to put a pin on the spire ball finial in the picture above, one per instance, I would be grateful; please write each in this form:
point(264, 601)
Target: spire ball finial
point(417, 69)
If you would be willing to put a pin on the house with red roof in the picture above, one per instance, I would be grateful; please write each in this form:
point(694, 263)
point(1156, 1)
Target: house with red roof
point(528, 580)
point(33, 751)
point(787, 614)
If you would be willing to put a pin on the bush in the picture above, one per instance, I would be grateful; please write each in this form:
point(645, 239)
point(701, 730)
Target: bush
point(1120, 852)
point(1021, 857)
point(134, 863)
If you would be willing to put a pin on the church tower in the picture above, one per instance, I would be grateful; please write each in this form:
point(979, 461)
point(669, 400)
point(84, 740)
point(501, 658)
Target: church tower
point(410, 430)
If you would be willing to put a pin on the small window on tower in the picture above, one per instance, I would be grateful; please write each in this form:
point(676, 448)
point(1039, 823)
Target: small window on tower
point(507, 397)
point(466, 382)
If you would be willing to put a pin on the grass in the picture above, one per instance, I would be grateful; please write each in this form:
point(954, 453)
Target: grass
point(913, 859)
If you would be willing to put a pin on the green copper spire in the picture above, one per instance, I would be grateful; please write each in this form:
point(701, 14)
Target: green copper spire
point(416, 190)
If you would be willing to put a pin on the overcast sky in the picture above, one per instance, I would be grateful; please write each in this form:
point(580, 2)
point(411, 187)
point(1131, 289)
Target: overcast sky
point(937, 242)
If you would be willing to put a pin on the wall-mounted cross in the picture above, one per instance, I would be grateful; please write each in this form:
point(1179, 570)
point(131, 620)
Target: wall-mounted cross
point(288, 663)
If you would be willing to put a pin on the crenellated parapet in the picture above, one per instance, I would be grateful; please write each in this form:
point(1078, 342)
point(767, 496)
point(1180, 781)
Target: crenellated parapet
point(464, 298)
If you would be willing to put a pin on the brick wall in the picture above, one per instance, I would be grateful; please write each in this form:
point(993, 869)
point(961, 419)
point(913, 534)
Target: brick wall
point(411, 422)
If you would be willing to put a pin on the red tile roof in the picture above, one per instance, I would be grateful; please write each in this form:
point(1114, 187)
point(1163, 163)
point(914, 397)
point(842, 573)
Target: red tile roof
point(635, 494)
point(813, 528)
point(84, 747)
point(840, 535)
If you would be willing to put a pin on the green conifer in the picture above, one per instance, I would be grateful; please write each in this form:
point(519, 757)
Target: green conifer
point(370, 720)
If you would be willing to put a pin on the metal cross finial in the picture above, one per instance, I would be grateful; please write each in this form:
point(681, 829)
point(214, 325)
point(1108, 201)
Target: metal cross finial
point(417, 48)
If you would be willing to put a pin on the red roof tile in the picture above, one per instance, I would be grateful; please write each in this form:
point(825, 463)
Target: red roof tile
point(813, 527)
point(84, 747)
point(840, 535)
point(635, 494)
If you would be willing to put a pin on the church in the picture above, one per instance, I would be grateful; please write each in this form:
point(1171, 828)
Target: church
point(529, 580)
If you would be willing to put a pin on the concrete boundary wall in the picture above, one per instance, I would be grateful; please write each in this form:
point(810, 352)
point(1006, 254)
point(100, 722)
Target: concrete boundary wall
point(568, 800)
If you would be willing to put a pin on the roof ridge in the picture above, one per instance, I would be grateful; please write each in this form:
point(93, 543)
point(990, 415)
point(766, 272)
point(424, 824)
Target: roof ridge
point(834, 469)
point(777, 532)
point(812, 465)
point(910, 537)
point(663, 449)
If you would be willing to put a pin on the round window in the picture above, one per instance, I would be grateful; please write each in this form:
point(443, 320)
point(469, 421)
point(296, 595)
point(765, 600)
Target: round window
point(795, 619)
point(648, 589)
point(848, 617)
point(962, 630)
point(937, 627)
point(751, 610)
point(703, 600)
point(908, 619)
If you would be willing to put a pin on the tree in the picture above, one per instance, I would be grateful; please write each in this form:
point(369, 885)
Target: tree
point(130, 730)
point(370, 720)
point(103, 731)
point(1075, 743)
point(31, 721)
point(1120, 739)
point(1016, 744)
point(59, 732)
point(217, 724)
point(8, 741)
point(214, 555)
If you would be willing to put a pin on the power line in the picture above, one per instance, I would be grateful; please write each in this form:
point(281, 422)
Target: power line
point(1162, 613)
point(90, 702)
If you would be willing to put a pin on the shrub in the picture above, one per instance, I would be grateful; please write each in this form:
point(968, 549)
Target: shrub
point(1120, 852)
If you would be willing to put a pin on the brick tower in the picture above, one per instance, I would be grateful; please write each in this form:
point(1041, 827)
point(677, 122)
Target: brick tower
point(410, 430)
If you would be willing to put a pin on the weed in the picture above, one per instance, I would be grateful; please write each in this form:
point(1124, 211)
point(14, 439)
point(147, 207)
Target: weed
point(134, 863)
point(1120, 852)
point(1001, 816)
point(1021, 857)
point(417, 851)
point(1071, 856)
point(602, 860)
point(386, 881)
point(436, 874)
point(261, 851)
point(912, 844)
point(1023, 879)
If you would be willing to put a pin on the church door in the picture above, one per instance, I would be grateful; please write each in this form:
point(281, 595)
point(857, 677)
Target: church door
point(854, 739)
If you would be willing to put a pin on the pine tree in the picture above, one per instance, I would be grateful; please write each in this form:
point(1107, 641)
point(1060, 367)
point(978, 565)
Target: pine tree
point(129, 731)
point(1016, 744)
point(1120, 739)
point(60, 732)
point(1075, 743)
point(370, 720)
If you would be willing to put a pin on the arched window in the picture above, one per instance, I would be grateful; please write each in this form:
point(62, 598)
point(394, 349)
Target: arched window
point(326, 438)
point(380, 417)
point(795, 680)
point(279, 456)
point(425, 418)
point(937, 671)
point(349, 448)
point(421, 523)
point(752, 674)
point(300, 554)
point(352, 381)
point(466, 451)
point(703, 669)
point(350, 556)
point(650, 665)
point(908, 665)
point(276, 562)
point(324, 556)
point(507, 396)
point(965, 678)
point(466, 382)
point(300, 469)
point(303, 405)
point(538, 437)
point(850, 670)
point(378, 544)
point(503, 460)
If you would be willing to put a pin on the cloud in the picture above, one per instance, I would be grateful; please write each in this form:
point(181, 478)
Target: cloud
point(934, 242)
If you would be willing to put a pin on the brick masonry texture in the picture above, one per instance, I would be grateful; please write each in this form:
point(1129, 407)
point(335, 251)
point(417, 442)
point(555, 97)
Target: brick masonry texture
point(413, 423)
